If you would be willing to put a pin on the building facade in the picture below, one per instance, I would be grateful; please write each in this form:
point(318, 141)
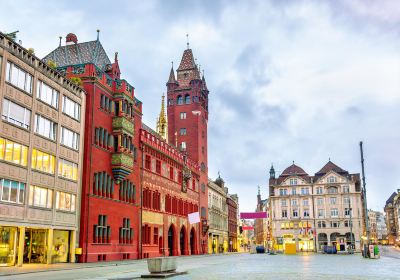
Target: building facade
point(41, 153)
point(171, 191)
point(373, 227)
point(109, 225)
point(261, 226)
point(217, 216)
point(187, 114)
point(233, 205)
point(381, 227)
point(391, 221)
point(314, 211)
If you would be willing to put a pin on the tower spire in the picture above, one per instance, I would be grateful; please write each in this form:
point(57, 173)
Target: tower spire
point(171, 79)
point(162, 122)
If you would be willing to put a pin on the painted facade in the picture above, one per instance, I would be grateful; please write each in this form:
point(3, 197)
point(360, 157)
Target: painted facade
point(41, 150)
point(314, 211)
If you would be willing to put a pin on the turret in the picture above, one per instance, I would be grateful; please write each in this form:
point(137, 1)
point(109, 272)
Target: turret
point(272, 172)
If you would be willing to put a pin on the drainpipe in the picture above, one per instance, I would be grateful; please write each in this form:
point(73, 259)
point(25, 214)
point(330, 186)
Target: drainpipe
point(141, 205)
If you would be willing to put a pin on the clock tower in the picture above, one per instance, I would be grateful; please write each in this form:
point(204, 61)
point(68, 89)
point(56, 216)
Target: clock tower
point(187, 112)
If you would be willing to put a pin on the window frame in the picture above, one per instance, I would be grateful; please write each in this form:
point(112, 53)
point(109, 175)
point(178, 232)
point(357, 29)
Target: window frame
point(10, 74)
point(55, 94)
point(21, 187)
point(33, 190)
point(25, 124)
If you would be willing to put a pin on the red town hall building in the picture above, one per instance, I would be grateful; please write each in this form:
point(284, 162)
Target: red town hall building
point(138, 185)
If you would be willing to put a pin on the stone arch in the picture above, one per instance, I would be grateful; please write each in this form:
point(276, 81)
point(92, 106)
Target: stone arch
point(172, 244)
point(183, 241)
point(193, 242)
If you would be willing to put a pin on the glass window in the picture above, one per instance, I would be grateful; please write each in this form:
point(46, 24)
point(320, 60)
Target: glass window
point(294, 202)
point(45, 127)
point(179, 100)
point(320, 201)
point(18, 77)
point(319, 190)
point(42, 161)
point(67, 169)
point(306, 213)
point(331, 179)
point(65, 201)
point(47, 94)
point(183, 146)
point(16, 114)
point(183, 131)
point(283, 202)
point(320, 213)
point(13, 152)
point(40, 197)
point(332, 200)
point(12, 191)
point(346, 189)
point(293, 181)
point(69, 138)
point(295, 213)
point(305, 202)
point(71, 108)
point(183, 115)
point(334, 212)
point(346, 201)
point(304, 191)
point(187, 99)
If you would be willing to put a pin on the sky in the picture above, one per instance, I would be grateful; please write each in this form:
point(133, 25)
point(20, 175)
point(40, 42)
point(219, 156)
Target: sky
point(300, 81)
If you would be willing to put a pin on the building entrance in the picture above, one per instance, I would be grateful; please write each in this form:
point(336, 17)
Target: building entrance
point(8, 245)
point(35, 246)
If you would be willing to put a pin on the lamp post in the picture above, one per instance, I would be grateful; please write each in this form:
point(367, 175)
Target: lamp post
point(364, 191)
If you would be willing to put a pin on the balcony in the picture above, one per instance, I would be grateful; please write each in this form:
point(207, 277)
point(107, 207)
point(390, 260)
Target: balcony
point(122, 124)
point(122, 165)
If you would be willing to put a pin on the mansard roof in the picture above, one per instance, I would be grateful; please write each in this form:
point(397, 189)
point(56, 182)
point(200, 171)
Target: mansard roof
point(294, 170)
point(80, 53)
point(330, 166)
point(391, 198)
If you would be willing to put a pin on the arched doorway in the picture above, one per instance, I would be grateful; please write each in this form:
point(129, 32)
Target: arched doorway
point(333, 238)
point(322, 240)
point(171, 237)
point(182, 240)
point(192, 242)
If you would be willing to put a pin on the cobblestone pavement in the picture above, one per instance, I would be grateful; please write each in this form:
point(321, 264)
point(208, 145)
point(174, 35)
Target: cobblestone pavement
point(242, 266)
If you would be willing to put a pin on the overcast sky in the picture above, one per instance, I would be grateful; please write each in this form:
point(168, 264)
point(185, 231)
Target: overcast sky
point(299, 81)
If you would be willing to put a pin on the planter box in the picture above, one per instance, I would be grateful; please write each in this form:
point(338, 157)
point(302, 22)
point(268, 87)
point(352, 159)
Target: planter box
point(161, 265)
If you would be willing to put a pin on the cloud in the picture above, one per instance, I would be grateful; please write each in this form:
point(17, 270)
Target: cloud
point(288, 80)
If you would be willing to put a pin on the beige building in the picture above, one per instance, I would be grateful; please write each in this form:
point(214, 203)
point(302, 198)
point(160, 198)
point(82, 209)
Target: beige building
point(217, 216)
point(373, 227)
point(314, 211)
point(41, 138)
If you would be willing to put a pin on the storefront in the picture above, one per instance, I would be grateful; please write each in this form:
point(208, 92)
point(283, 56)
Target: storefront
point(25, 245)
point(306, 243)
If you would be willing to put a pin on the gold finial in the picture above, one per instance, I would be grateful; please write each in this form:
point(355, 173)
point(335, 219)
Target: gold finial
point(162, 122)
point(187, 41)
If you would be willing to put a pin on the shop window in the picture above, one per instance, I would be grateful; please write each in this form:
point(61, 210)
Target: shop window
point(103, 184)
point(47, 94)
point(18, 77)
point(40, 197)
point(13, 152)
point(67, 169)
point(12, 191)
point(65, 201)
point(102, 231)
point(43, 161)
point(61, 246)
point(127, 191)
point(69, 138)
point(16, 114)
point(8, 239)
point(71, 108)
point(126, 232)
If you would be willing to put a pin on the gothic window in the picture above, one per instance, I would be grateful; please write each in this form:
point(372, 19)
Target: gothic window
point(102, 231)
point(179, 100)
point(187, 99)
point(103, 185)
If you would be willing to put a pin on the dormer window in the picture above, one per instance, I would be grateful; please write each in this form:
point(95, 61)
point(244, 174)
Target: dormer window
point(293, 181)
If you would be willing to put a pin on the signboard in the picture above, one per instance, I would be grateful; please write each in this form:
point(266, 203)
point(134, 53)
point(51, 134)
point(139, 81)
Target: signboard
point(253, 215)
point(194, 218)
point(247, 227)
